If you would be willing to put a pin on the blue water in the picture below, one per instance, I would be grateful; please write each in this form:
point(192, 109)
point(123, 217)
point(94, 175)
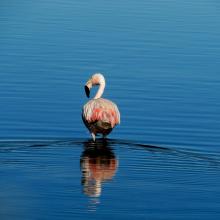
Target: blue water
point(161, 64)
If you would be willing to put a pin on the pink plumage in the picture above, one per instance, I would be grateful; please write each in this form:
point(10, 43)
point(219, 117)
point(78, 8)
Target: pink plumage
point(99, 115)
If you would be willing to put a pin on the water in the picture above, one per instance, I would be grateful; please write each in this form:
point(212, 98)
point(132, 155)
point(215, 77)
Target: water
point(161, 63)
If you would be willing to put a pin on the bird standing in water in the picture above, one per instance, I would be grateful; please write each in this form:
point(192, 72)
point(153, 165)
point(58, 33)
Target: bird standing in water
point(99, 115)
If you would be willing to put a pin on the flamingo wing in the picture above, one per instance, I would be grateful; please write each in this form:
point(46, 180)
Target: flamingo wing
point(101, 110)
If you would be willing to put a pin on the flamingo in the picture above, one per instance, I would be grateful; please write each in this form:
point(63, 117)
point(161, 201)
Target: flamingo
point(99, 115)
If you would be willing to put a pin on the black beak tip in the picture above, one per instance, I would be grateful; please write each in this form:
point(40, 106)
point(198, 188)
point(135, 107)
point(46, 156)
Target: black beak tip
point(87, 91)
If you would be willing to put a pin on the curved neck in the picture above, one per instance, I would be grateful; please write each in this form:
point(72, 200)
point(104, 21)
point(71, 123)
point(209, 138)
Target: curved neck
point(100, 90)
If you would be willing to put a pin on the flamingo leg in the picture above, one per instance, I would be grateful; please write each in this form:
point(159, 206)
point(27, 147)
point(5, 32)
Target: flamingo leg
point(93, 136)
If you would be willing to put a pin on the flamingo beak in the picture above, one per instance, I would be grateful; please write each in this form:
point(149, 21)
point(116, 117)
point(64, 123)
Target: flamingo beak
point(87, 87)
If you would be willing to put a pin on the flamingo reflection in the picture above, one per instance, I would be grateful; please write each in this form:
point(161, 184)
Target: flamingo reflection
point(98, 164)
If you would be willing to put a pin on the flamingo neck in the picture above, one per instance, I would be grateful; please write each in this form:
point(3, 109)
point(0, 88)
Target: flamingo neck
point(100, 90)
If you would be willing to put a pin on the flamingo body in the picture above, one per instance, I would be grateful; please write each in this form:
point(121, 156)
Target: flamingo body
point(99, 115)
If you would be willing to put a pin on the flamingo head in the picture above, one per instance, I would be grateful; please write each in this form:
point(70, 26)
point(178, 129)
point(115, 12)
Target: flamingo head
point(96, 79)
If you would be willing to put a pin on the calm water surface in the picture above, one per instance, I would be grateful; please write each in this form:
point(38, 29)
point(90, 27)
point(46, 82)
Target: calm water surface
point(161, 63)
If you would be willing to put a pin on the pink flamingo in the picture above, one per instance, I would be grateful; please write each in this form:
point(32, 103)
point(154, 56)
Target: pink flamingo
point(99, 115)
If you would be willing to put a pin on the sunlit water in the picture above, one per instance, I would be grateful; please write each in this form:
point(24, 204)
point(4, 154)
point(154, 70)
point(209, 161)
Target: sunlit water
point(161, 63)
point(71, 179)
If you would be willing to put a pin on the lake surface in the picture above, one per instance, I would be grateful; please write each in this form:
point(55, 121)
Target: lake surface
point(162, 67)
